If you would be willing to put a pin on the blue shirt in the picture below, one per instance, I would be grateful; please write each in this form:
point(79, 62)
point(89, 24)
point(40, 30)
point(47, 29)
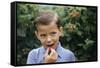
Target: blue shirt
point(36, 56)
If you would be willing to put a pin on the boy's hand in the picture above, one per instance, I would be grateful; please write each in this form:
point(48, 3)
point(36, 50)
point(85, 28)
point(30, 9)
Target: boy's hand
point(50, 57)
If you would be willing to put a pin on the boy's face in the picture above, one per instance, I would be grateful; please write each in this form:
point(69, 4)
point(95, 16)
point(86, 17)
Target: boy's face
point(48, 34)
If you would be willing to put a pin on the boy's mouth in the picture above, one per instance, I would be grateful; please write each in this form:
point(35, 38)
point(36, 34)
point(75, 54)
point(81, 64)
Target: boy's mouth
point(50, 45)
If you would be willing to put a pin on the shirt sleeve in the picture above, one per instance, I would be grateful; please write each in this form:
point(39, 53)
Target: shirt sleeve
point(31, 57)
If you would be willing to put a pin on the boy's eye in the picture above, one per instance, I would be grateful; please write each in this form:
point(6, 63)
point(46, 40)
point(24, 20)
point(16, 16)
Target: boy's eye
point(53, 33)
point(43, 35)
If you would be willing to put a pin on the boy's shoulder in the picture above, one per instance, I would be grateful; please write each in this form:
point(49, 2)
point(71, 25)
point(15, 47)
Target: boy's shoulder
point(67, 51)
point(35, 51)
point(68, 54)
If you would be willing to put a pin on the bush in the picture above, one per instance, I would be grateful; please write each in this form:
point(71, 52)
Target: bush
point(79, 35)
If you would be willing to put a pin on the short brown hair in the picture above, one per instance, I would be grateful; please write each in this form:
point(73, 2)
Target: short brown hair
point(45, 18)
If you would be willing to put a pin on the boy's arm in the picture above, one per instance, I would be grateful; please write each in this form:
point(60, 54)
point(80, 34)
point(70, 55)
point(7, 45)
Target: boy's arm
point(31, 57)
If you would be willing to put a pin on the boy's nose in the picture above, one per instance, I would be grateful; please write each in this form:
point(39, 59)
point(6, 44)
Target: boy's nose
point(48, 40)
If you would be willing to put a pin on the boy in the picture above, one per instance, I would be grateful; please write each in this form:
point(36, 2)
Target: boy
point(48, 31)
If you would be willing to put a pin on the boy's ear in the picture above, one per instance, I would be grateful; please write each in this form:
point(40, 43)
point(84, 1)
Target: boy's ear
point(61, 31)
point(36, 34)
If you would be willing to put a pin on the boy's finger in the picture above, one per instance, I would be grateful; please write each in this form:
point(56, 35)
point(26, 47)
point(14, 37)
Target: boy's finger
point(53, 52)
point(46, 53)
point(49, 51)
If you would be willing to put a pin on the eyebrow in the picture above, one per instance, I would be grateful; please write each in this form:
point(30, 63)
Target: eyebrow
point(44, 34)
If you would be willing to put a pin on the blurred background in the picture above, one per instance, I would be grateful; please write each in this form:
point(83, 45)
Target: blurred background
point(79, 35)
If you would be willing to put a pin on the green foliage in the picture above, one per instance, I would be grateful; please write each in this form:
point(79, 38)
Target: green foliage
point(79, 25)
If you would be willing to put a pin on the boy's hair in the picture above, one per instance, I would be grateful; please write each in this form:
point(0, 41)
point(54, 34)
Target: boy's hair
point(45, 18)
